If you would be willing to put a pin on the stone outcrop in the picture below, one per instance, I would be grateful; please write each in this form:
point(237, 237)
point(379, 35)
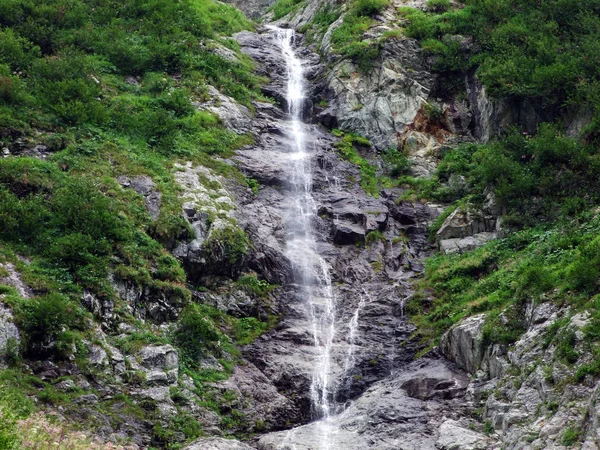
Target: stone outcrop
point(388, 416)
point(454, 437)
point(217, 444)
point(463, 343)
point(144, 186)
point(10, 338)
point(160, 364)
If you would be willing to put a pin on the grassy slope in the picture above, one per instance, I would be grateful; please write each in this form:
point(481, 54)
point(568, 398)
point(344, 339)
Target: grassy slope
point(107, 86)
point(546, 183)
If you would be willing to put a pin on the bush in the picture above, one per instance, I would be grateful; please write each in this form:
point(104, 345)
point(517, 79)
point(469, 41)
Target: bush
point(196, 335)
point(438, 5)
point(45, 321)
point(369, 7)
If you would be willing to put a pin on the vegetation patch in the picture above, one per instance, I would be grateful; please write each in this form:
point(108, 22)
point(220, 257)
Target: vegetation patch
point(517, 48)
point(347, 39)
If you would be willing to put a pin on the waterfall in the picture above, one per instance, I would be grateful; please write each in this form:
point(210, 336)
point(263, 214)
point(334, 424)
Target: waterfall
point(312, 272)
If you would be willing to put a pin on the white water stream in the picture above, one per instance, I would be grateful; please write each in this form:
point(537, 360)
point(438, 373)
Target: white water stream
point(312, 272)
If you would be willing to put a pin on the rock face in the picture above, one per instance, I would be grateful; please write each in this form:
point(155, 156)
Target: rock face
point(491, 116)
point(160, 364)
point(144, 186)
point(217, 444)
point(386, 416)
point(463, 343)
point(217, 246)
point(9, 334)
point(455, 437)
point(10, 337)
point(369, 270)
point(381, 103)
point(235, 116)
point(526, 391)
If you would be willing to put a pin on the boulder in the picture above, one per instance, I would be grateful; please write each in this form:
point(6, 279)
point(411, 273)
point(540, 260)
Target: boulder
point(345, 232)
point(462, 223)
point(216, 443)
point(236, 117)
point(463, 343)
point(461, 245)
point(160, 363)
point(454, 437)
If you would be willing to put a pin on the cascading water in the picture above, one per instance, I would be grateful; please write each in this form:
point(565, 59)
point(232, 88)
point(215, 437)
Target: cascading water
point(312, 272)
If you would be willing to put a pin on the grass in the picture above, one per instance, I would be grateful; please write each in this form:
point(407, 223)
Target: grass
point(347, 39)
point(372, 179)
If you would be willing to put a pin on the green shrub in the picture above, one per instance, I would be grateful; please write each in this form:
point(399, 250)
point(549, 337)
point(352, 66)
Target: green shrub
point(247, 329)
point(45, 321)
point(398, 163)
point(252, 285)
point(196, 335)
point(438, 5)
point(521, 49)
point(570, 436)
point(369, 7)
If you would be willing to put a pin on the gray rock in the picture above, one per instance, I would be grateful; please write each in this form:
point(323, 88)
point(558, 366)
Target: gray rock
point(66, 385)
point(235, 116)
point(454, 437)
point(383, 418)
point(144, 186)
point(215, 443)
point(463, 343)
point(148, 302)
point(97, 356)
point(87, 399)
point(463, 223)
point(347, 233)
point(461, 245)
point(14, 280)
point(160, 363)
point(9, 333)
point(159, 394)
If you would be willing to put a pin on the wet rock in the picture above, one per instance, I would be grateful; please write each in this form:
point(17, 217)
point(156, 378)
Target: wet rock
point(347, 233)
point(463, 343)
point(217, 444)
point(262, 405)
point(383, 418)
